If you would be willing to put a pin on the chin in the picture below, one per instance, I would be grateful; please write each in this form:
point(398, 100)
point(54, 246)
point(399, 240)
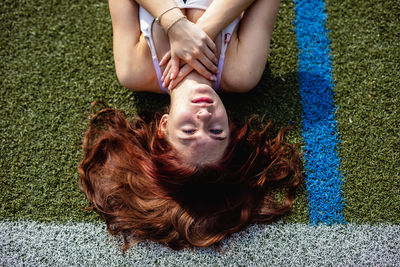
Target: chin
point(203, 88)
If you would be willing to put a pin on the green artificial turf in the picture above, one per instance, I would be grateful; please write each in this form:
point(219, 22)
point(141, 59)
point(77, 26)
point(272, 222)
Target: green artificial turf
point(56, 59)
point(365, 43)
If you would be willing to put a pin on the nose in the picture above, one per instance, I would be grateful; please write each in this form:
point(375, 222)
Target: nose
point(203, 114)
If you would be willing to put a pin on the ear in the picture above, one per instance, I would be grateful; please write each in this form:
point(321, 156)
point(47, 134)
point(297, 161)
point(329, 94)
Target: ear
point(162, 128)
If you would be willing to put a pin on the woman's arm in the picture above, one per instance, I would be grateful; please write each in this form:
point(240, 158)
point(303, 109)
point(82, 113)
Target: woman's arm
point(220, 14)
point(133, 62)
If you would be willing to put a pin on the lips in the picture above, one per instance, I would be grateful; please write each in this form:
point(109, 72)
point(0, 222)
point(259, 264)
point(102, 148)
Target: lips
point(201, 100)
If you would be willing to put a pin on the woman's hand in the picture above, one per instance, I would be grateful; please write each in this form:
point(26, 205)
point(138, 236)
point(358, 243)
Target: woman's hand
point(190, 44)
point(172, 75)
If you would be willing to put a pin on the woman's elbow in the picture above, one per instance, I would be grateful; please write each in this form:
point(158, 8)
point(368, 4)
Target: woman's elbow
point(130, 79)
point(241, 83)
point(124, 77)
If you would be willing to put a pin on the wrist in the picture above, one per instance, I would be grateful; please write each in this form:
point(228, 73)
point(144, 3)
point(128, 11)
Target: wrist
point(207, 28)
point(158, 19)
point(174, 24)
point(170, 17)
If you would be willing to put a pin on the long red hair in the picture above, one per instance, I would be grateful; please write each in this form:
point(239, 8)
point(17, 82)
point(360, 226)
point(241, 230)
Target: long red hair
point(138, 184)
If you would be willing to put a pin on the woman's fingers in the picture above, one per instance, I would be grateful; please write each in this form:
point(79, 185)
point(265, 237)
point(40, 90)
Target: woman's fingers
point(207, 55)
point(174, 67)
point(171, 71)
point(173, 75)
point(165, 73)
point(165, 76)
point(165, 58)
point(202, 70)
point(211, 56)
point(211, 45)
point(183, 72)
point(208, 62)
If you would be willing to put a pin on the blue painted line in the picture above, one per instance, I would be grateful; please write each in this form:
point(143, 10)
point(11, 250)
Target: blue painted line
point(322, 176)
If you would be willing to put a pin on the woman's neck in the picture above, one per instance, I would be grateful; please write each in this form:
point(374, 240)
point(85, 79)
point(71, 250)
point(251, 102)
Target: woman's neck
point(190, 81)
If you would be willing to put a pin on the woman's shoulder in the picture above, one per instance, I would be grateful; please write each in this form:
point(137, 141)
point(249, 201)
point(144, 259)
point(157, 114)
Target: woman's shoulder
point(137, 71)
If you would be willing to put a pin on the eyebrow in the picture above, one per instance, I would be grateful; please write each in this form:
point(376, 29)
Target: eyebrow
point(219, 138)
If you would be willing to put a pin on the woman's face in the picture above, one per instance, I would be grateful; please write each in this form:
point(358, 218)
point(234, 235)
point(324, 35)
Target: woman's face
point(197, 124)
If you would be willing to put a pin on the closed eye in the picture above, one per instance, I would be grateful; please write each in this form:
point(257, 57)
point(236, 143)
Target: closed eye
point(216, 131)
point(189, 131)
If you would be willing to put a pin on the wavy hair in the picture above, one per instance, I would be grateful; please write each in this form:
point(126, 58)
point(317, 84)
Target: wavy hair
point(135, 180)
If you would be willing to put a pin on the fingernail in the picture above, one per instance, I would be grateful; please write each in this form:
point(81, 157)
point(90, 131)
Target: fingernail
point(171, 76)
point(163, 84)
point(162, 78)
point(170, 86)
point(213, 78)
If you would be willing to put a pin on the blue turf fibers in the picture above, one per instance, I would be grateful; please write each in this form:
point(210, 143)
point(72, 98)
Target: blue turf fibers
point(323, 178)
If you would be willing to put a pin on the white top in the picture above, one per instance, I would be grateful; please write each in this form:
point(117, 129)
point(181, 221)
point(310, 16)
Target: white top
point(201, 4)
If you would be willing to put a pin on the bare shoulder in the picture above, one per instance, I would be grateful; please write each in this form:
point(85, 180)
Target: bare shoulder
point(132, 57)
point(247, 52)
point(137, 71)
point(237, 73)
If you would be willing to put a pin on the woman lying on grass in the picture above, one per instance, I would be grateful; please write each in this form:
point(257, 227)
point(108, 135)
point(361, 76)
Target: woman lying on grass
point(190, 177)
